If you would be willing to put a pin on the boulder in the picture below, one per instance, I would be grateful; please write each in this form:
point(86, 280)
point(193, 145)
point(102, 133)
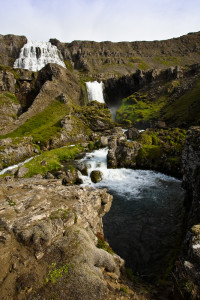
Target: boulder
point(60, 174)
point(96, 176)
point(7, 81)
point(82, 168)
point(22, 171)
point(104, 141)
point(49, 176)
point(71, 177)
point(132, 133)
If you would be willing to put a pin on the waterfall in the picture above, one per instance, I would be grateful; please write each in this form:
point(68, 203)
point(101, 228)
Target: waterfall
point(35, 55)
point(95, 91)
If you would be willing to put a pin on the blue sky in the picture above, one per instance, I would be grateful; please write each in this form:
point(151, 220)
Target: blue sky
point(99, 20)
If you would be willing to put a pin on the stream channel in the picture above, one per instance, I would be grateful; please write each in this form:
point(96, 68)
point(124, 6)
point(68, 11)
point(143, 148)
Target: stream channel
point(144, 224)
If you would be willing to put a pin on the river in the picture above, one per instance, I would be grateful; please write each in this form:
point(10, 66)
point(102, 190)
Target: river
point(144, 224)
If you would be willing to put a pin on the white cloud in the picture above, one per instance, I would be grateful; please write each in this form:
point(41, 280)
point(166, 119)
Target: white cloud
point(99, 20)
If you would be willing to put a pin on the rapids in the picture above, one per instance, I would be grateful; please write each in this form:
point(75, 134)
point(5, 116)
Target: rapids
point(145, 221)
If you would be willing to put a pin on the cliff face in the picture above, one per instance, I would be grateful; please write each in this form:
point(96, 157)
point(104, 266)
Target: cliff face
point(107, 59)
point(187, 266)
point(35, 91)
point(170, 95)
point(48, 243)
point(191, 172)
point(10, 46)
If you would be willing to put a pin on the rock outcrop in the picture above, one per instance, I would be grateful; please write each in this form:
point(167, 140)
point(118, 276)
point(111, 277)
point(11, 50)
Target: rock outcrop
point(48, 242)
point(132, 133)
point(7, 81)
point(10, 46)
point(13, 151)
point(156, 149)
point(121, 153)
point(53, 81)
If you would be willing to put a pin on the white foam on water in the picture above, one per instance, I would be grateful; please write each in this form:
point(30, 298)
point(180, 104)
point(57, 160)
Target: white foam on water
point(35, 55)
point(126, 182)
point(95, 91)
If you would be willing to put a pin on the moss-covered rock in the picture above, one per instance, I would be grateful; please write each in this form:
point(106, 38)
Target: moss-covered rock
point(157, 149)
point(96, 176)
point(161, 150)
point(98, 116)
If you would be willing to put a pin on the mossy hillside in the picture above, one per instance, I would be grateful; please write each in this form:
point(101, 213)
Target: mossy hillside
point(51, 160)
point(6, 98)
point(161, 150)
point(44, 125)
point(9, 69)
point(186, 109)
point(177, 109)
point(139, 63)
point(168, 61)
point(139, 107)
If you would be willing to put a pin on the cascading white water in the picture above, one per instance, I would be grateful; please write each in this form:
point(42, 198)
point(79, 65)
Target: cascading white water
point(95, 91)
point(123, 181)
point(35, 55)
point(145, 219)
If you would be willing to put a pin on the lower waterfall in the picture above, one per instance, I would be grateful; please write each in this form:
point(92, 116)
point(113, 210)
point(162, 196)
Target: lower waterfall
point(145, 221)
point(95, 91)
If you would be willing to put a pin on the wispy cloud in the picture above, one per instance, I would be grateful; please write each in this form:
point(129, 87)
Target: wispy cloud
point(99, 20)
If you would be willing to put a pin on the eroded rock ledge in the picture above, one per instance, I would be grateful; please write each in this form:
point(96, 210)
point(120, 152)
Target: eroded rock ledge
point(48, 241)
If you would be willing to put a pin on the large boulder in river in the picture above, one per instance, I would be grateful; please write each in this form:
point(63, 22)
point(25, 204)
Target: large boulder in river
point(71, 177)
point(121, 152)
point(96, 176)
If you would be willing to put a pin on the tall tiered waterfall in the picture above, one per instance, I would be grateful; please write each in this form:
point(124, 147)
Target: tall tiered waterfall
point(95, 91)
point(35, 55)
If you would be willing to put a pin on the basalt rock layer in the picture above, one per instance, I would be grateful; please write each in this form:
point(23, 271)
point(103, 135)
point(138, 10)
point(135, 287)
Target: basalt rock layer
point(107, 59)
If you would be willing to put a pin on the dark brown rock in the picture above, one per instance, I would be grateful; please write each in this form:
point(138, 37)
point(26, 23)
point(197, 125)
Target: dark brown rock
point(132, 133)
